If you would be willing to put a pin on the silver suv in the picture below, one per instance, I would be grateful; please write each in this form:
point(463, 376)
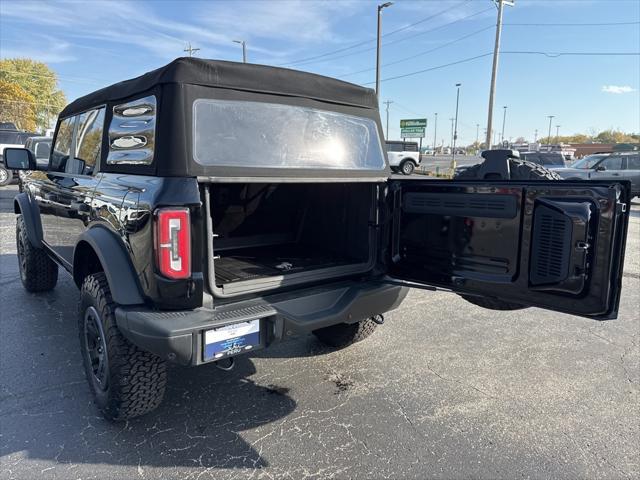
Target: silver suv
point(606, 166)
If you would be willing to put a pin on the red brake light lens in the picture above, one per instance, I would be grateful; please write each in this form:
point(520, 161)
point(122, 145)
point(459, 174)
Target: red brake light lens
point(173, 242)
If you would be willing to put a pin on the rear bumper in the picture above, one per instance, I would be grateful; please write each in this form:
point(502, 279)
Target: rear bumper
point(177, 336)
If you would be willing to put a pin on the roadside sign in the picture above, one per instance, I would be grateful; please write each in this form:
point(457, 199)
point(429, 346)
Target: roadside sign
point(413, 128)
point(415, 122)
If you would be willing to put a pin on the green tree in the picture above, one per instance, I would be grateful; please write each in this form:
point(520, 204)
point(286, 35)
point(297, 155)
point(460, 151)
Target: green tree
point(40, 82)
point(17, 106)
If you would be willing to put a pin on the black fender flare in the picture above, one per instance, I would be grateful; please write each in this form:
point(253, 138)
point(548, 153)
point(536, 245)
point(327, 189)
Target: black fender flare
point(115, 263)
point(23, 205)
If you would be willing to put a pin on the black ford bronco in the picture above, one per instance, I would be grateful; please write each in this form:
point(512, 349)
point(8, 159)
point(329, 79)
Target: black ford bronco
point(209, 209)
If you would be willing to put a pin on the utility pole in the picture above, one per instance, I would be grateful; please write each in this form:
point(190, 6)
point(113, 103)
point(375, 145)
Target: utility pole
point(558, 133)
point(494, 69)
point(504, 120)
point(435, 134)
point(379, 45)
point(387, 103)
point(535, 137)
point(477, 134)
point(455, 129)
point(244, 49)
point(550, 117)
point(190, 49)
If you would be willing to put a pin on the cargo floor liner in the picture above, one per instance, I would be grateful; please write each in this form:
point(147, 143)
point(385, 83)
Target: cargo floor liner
point(252, 263)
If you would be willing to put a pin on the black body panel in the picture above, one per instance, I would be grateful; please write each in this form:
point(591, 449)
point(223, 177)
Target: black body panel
point(556, 245)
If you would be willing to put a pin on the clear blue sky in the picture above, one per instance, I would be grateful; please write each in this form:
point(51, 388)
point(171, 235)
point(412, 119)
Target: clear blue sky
point(93, 44)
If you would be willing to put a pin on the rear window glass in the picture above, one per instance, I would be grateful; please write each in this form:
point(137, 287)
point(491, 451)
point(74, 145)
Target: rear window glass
point(268, 135)
point(633, 162)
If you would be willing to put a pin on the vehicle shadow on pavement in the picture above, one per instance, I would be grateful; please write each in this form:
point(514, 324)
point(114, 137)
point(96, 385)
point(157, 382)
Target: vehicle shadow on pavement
point(46, 411)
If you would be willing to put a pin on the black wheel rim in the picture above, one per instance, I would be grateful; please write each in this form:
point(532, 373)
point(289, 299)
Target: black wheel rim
point(96, 348)
point(22, 259)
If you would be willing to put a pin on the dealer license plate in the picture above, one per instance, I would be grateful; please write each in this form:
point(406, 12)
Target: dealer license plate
point(231, 340)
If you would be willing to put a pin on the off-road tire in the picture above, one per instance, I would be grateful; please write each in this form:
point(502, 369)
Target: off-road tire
point(492, 303)
point(38, 272)
point(345, 334)
point(135, 379)
point(5, 176)
point(407, 167)
point(520, 170)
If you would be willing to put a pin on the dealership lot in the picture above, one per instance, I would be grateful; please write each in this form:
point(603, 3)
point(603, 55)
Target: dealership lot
point(444, 389)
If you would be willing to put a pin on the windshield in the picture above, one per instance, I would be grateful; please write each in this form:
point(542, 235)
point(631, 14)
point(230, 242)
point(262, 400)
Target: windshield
point(588, 162)
point(269, 135)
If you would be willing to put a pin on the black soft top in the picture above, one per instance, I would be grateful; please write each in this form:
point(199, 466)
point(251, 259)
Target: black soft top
point(232, 75)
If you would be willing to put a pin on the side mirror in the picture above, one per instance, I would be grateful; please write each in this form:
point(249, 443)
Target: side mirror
point(19, 159)
point(600, 168)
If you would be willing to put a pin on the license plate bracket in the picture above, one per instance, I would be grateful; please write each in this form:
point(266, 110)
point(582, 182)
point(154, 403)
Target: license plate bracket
point(230, 340)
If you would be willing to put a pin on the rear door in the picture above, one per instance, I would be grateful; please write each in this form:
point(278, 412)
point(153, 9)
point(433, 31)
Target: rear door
point(549, 244)
point(632, 172)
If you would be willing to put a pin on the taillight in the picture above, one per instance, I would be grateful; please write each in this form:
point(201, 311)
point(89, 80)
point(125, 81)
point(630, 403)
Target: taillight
point(173, 242)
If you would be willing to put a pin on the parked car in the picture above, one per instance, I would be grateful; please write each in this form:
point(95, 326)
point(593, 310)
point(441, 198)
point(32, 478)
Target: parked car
point(186, 252)
point(606, 166)
point(403, 157)
point(546, 159)
point(10, 136)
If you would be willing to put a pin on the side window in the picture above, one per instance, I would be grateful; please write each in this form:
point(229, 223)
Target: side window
point(394, 147)
point(88, 141)
point(132, 132)
point(612, 163)
point(62, 146)
point(633, 162)
point(410, 147)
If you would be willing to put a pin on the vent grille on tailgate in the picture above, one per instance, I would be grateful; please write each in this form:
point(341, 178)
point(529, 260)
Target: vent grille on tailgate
point(461, 204)
point(550, 247)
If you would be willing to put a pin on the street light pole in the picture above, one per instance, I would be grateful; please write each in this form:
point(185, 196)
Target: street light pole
point(494, 68)
point(558, 133)
point(451, 140)
point(550, 117)
point(504, 120)
point(455, 130)
point(477, 134)
point(379, 44)
point(435, 134)
point(244, 49)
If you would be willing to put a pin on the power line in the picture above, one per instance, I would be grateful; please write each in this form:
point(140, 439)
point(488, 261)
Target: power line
point(421, 53)
point(548, 54)
point(570, 24)
point(464, 60)
point(54, 77)
point(574, 54)
point(364, 42)
point(424, 32)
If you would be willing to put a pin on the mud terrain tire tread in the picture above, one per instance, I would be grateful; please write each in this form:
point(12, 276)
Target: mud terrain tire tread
point(345, 334)
point(137, 378)
point(520, 170)
point(38, 272)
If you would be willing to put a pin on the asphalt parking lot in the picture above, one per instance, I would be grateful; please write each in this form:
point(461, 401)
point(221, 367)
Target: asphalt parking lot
point(443, 389)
